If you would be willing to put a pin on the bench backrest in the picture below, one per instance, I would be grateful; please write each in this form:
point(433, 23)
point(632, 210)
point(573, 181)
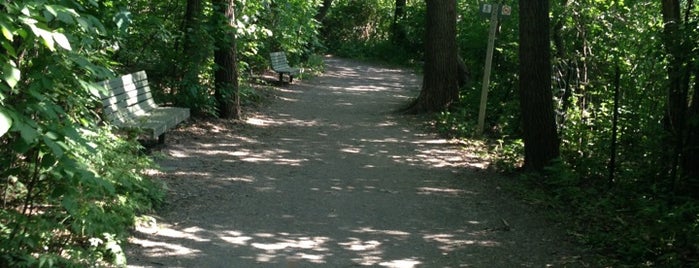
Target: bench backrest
point(126, 96)
point(279, 61)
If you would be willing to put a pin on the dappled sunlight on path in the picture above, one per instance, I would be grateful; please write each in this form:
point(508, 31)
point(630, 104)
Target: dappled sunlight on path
point(330, 176)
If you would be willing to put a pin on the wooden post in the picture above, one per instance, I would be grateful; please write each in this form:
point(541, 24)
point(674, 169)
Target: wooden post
point(488, 65)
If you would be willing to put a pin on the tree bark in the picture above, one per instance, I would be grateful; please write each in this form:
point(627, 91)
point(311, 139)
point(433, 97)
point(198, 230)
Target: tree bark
point(682, 110)
point(323, 10)
point(226, 89)
point(541, 144)
point(679, 72)
point(440, 82)
point(463, 74)
point(398, 32)
point(194, 53)
point(691, 156)
point(191, 45)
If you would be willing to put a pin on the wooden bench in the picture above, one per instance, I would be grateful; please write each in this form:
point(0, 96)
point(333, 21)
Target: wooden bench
point(281, 66)
point(128, 104)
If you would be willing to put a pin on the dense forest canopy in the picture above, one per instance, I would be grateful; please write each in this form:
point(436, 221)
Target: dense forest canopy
point(624, 85)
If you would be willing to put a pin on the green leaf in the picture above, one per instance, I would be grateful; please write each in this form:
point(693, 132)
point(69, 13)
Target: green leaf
point(5, 123)
point(9, 49)
point(51, 135)
point(63, 14)
point(70, 204)
point(84, 24)
point(55, 147)
point(27, 132)
point(66, 17)
point(51, 10)
point(49, 14)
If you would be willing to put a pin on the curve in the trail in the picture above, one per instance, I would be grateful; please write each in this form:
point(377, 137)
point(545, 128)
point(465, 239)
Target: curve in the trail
point(329, 176)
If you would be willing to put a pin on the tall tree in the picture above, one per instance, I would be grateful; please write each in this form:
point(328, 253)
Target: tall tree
point(193, 51)
point(440, 83)
point(397, 31)
point(323, 10)
point(541, 144)
point(226, 88)
point(681, 113)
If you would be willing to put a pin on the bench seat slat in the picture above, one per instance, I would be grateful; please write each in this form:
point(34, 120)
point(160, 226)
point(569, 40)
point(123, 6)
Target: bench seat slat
point(281, 66)
point(140, 103)
point(119, 85)
point(156, 122)
point(127, 103)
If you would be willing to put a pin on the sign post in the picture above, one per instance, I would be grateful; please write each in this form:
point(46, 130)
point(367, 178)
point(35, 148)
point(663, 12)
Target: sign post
point(495, 11)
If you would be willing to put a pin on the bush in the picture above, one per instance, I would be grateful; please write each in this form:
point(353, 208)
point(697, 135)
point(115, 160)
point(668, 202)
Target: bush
point(69, 188)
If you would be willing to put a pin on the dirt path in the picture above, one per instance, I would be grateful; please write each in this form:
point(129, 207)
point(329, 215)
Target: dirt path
point(328, 176)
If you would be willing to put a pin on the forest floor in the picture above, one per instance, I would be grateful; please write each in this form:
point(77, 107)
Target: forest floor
point(327, 174)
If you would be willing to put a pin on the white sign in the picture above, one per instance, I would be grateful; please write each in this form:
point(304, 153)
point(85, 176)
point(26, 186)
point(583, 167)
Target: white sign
point(486, 8)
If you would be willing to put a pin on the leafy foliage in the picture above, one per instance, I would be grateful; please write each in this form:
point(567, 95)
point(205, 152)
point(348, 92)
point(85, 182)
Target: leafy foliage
point(645, 213)
point(362, 29)
point(69, 188)
point(631, 218)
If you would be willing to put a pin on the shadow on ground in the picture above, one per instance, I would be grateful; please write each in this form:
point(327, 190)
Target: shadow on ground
point(330, 176)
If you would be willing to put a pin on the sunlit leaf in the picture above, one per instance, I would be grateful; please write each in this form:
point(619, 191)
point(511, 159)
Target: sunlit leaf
point(49, 13)
point(45, 36)
point(5, 123)
point(11, 74)
point(62, 41)
point(51, 10)
point(6, 31)
point(25, 11)
point(123, 20)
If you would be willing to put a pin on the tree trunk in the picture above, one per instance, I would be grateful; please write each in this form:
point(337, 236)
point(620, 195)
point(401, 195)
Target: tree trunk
point(680, 114)
point(191, 29)
point(682, 110)
point(397, 31)
point(323, 10)
point(673, 113)
point(440, 82)
point(193, 50)
point(463, 74)
point(541, 144)
point(691, 156)
point(226, 73)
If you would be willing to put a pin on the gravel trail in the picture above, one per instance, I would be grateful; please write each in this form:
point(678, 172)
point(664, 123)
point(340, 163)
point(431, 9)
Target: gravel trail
point(327, 175)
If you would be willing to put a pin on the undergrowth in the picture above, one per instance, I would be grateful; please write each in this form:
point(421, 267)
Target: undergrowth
point(624, 225)
point(74, 210)
point(630, 222)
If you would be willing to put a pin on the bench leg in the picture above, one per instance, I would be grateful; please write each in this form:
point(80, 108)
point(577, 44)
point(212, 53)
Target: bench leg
point(161, 139)
point(291, 79)
point(281, 77)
